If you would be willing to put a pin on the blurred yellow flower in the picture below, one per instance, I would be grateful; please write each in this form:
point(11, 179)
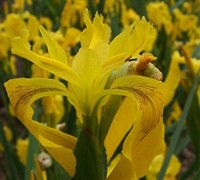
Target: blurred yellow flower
point(185, 23)
point(22, 149)
point(53, 109)
point(175, 114)
point(193, 66)
point(172, 170)
point(128, 16)
point(159, 15)
point(72, 37)
point(72, 12)
point(13, 25)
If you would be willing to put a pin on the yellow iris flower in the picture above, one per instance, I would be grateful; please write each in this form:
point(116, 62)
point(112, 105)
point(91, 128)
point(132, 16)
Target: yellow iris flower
point(90, 88)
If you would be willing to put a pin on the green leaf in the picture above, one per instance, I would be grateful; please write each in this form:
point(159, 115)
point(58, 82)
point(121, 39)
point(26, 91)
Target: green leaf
point(33, 149)
point(193, 124)
point(11, 169)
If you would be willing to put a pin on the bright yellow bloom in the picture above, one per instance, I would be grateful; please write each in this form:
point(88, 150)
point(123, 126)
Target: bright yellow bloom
point(98, 70)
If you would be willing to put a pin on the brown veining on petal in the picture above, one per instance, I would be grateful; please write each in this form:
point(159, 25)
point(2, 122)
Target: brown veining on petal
point(151, 105)
point(23, 95)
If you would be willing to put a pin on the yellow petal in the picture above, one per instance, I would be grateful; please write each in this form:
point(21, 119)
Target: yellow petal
point(96, 35)
point(96, 32)
point(121, 168)
point(86, 64)
point(119, 43)
point(21, 47)
point(142, 151)
point(142, 114)
point(141, 38)
point(133, 40)
point(145, 106)
point(22, 93)
point(55, 51)
point(121, 124)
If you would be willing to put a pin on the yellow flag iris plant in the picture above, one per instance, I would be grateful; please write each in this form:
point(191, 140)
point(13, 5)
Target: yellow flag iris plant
point(119, 107)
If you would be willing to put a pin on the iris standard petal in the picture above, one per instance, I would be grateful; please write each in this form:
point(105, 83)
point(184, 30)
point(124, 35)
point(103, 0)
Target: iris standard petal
point(96, 35)
point(132, 41)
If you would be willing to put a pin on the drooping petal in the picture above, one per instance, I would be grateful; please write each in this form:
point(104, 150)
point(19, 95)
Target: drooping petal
point(145, 106)
point(22, 93)
point(147, 131)
point(55, 51)
point(21, 47)
point(142, 151)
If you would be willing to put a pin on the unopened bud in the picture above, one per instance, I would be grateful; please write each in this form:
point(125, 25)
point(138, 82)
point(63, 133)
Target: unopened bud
point(60, 126)
point(44, 160)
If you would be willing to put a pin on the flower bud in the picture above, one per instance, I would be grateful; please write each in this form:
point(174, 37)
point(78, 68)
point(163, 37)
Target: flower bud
point(44, 160)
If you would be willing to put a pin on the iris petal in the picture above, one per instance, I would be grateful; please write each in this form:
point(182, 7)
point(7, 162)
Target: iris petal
point(22, 93)
point(21, 47)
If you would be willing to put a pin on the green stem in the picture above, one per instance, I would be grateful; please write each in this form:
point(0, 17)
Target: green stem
point(88, 152)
